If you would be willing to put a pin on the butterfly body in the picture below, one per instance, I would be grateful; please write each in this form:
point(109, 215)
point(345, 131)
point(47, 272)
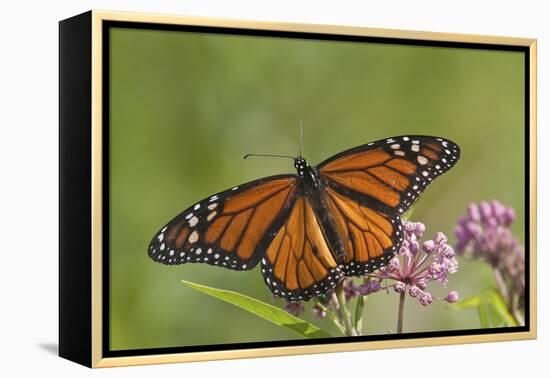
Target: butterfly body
point(310, 184)
point(311, 229)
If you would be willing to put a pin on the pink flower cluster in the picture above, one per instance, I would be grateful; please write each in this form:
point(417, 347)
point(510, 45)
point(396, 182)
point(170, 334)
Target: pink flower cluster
point(415, 266)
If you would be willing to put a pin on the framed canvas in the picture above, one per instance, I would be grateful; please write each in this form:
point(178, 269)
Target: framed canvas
point(387, 198)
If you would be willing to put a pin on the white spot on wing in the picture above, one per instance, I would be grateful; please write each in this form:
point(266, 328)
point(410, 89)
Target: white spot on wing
point(193, 221)
point(422, 160)
point(211, 215)
point(212, 206)
point(193, 237)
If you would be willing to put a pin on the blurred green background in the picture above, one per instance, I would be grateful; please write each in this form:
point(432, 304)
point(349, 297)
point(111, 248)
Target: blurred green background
point(186, 107)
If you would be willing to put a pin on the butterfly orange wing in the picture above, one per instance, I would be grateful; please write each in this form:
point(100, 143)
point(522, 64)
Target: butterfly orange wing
point(390, 174)
point(370, 237)
point(368, 188)
point(230, 229)
point(298, 264)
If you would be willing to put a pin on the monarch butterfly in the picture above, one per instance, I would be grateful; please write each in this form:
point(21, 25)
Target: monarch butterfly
point(313, 228)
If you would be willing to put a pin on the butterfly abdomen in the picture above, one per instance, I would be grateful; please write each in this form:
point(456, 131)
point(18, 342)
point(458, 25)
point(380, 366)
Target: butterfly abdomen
point(314, 190)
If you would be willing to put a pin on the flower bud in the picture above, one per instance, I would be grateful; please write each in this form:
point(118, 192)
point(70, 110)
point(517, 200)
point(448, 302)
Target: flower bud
point(452, 297)
point(485, 210)
point(374, 286)
point(509, 216)
point(419, 229)
point(425, 298)
point(498, 209)
point(319, 312)
point(414, 247)
point(394, 264)
point(440, 238)
point(421, 284)
point(428, 246)
point(447, 251)
point(409, 227)
point(294, 308)
point(474, 229)
point(399, 287)
point(473, 213)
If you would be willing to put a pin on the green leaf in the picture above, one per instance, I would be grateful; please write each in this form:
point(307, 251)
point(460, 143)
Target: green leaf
point(264, 310)
point(491, 307)
point(484, 316)
point(472, 302)
point(500, 308)
point(332, 317)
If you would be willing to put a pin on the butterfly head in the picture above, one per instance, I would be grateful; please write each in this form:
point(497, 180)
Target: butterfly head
point(301, 165)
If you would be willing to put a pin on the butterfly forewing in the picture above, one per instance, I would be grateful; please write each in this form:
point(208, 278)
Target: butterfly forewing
point(298, 264)
point(229, 229)
point(390, 174)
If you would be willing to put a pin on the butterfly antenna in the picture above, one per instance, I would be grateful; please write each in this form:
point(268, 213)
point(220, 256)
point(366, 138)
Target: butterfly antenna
point(267, 155)
point(301, 137)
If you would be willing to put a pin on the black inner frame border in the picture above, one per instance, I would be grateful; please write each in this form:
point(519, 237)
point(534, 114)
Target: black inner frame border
point(107, 25)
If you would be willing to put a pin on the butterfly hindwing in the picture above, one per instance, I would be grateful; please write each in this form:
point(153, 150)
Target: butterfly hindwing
point(229, 229)
point(370, 238)
point(390, 174)
point(298, 263)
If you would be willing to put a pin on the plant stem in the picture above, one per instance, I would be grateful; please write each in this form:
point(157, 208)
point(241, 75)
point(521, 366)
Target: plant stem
point(359, 312)
point(344, 311)
point(400, 312)
point(501, 283)
point(332, 317)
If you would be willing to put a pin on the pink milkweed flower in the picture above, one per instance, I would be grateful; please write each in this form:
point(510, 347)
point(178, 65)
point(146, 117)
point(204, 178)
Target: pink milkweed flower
point(417, 264)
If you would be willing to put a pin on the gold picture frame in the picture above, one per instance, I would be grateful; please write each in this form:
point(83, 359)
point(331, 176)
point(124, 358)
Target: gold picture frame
point(82, 319)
